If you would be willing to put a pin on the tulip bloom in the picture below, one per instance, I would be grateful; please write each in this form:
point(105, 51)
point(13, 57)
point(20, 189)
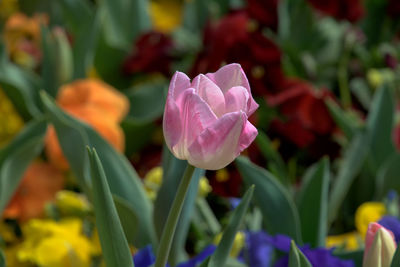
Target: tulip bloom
point(205, 121)
point(380, 246)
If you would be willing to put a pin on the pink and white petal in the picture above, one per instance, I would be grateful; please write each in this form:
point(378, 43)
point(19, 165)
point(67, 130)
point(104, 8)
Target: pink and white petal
point(217, 145)
point(236, 99)
point(247, 137)
point(195, 115)
point(172, 123)
point(210, 93)
point(229, 76)
point(179, 83)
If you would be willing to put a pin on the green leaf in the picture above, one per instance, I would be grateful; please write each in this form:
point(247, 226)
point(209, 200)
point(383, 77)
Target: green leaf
point(124, 182)
point(313, 204)
point(20, 85)
point(16, 157)
point(396, 258)
point(173, 170)
point(123, 20)
point(147, 100)
point(350, 166)
point(224, 247)
point(127, 217)
point(2, 259)
point(341, 118)
point(296, 257)
point(112, 239)
point(379, 127)
point(387, 177)
point(272, 155)
point(195, 15)
point(278, 209)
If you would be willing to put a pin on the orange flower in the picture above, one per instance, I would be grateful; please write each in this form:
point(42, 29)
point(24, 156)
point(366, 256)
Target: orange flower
point(93, 93)
point(95, 103)
point(22, 36)
point(39, 185)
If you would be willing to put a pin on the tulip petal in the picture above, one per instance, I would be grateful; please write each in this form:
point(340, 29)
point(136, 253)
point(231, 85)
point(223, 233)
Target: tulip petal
point(217, 145)
point(196, 116)
point(179, 83)
point(236, 99)
point(210, 93)
point(172, 124)
point(233, 75)
point(247, 137)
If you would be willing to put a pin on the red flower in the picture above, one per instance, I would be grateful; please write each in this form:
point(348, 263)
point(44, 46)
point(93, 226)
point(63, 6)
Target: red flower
point(394, 8)
point(264, 12)
point(233, 40)
point(351, 10)
point(151, 53)
point(305, 112)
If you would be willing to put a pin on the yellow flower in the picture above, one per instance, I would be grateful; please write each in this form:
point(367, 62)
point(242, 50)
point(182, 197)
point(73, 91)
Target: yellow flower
point(166, 15)
point(222, 175)
point(366, 213)
point(238, 243)
point(70, 203)
point(10, 121)
point(204, 187)
point(348, 241)
point(153, 180)
point(55, 244)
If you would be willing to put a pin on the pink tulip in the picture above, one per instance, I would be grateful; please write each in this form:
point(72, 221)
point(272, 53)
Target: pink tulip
point(205, 121)
point(380, 246)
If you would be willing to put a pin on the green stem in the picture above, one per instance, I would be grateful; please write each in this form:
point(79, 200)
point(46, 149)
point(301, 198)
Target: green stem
point(173, 216)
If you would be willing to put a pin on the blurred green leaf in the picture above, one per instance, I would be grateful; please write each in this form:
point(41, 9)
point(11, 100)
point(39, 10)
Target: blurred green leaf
point(114, 245)
point(16, 157)
point(272, 156)
point(124, 182)
point(396, 258)
point(2, 259)
point(278, 209)
point(296, 257)
point(123, 20)
point(147, 100)
point(143, 133)
point(173, 170)
point(361, 90)
point(342, 119)
point(195, 15)
point(128, 218)
point(20, 85)
point(224, 247)
point(379, 127)
point(374, 21)
point(350, 166)
point(313, 204)
point(76, 14)
point(387, 177)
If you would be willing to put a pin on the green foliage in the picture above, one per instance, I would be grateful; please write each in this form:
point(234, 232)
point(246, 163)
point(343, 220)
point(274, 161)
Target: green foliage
point(114, 245)
point(296, 257)
point(396, 258)
point(313, 204)
point(3, 262)
point(73, 136)
point(224, 247)
point(16, 157)
point(278, 208)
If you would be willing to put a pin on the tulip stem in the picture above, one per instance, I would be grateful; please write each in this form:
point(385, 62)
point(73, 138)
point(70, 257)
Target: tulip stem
point(173, 216)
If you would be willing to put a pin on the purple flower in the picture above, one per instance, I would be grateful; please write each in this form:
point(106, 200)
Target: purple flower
point(208, 251)
point(144, 257)
point(391, 223)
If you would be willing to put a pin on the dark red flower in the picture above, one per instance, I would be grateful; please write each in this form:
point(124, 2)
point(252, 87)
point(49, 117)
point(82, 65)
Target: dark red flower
point(264, 12)
point(394, 8)
point(305, 113)
point(151, 53)
point(233, 40)
point(351, 10)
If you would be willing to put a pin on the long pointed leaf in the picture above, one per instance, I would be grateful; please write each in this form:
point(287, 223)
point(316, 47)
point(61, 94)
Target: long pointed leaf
point(278, 209)
point(296, 257)
point(313, 204)
point(112, 239)
point(221, 254)
point(16, 157)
